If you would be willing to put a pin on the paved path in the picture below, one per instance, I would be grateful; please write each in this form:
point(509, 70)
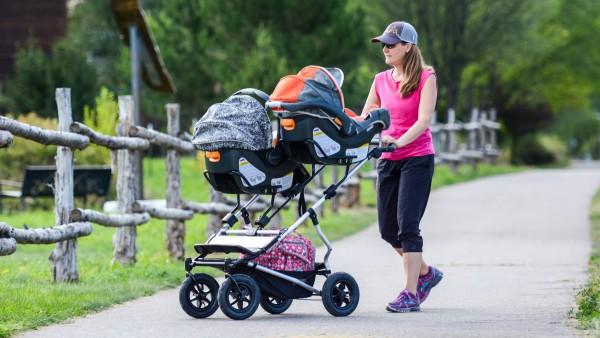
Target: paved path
point(513, 249)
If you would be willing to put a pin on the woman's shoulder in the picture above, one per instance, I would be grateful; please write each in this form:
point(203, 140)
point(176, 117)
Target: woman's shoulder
point(427, 71)
point(382, 79)
point(383, 74)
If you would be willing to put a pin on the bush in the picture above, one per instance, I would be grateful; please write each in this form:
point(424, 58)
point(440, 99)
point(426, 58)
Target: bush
point(103, 119)
point(538, 149)
point(23, 152)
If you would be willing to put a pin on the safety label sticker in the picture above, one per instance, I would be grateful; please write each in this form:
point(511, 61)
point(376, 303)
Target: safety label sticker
point(283, 183)
point(328, 145)
point(360, 153)
point(251, 173)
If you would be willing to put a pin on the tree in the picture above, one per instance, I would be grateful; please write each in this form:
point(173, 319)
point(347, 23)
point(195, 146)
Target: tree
point(455, 33)
point(214, 48)
point(37, 75)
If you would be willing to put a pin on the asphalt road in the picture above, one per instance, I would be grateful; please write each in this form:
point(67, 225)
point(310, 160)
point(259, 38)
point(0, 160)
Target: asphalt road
point(513, 248)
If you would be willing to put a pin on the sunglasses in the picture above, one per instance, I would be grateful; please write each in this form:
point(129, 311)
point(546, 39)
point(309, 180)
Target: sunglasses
point(388, 46)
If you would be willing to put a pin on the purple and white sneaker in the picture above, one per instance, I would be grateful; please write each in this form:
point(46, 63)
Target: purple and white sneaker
point(427, 282)
point(405, 302)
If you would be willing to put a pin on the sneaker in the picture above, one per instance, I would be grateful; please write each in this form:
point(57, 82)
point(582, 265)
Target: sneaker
point(427, 282)
point(405, 302)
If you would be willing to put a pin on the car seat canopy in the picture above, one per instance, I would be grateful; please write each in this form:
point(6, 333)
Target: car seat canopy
point(240, 122)
point(312, 84)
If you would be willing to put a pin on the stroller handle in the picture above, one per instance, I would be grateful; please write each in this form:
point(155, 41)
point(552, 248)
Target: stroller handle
point(377, 151)
point(389, 148)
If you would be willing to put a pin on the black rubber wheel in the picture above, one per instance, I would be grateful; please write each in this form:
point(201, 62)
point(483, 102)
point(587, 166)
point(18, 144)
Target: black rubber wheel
point(198, 295)
point(340, 294)
point(239, 296)
point(274, 305)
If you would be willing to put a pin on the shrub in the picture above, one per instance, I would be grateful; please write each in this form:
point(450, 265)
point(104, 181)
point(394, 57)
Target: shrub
point(538, 149)
point(23, 152)
point(103, 119)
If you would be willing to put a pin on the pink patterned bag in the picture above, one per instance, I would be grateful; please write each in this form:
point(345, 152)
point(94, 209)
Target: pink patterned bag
point(293, 253)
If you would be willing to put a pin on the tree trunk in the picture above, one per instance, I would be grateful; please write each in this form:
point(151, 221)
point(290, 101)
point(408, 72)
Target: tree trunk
point(64, 256)
point(124, 240)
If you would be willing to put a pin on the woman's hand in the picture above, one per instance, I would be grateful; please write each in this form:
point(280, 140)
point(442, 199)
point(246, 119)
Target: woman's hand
point(387, 139)
point(366, 112)
point(372, 107)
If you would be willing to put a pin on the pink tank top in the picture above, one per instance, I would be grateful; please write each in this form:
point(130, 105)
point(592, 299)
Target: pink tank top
point(404, 112)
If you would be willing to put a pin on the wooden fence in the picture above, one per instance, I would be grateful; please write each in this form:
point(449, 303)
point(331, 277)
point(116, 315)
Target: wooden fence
point(479, 135)
point(72, 223)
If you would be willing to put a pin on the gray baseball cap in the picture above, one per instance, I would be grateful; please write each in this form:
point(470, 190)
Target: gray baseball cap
point(396, 32)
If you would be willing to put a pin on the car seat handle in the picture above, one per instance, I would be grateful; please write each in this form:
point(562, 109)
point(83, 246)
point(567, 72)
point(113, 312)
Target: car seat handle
point(259, 95)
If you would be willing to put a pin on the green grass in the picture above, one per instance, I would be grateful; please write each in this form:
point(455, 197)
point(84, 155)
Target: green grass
point(29, 299)
point(587, 311)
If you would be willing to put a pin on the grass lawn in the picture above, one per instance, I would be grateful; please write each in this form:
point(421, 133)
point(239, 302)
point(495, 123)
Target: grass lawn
point(29, 299)
point(588, 298)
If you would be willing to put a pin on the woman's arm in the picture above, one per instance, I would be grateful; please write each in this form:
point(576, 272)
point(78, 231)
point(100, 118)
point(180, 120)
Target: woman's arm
point(371, 103)
point(426, 108)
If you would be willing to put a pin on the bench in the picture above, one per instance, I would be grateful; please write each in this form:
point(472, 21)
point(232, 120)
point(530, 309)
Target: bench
point(38, 181)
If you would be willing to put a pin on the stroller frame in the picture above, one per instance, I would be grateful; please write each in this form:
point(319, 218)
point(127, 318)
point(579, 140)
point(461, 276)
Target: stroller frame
point(231, 266)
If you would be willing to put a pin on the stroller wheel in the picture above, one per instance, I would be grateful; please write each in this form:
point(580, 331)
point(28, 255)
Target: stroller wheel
point(340, 294)
point(274, 305)
point(239, 296)
point(198, 295)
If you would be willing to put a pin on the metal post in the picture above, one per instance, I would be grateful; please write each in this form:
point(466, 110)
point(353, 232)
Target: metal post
point(136, 90)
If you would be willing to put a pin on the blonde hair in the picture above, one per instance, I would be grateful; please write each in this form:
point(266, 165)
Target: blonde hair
point(414, 64)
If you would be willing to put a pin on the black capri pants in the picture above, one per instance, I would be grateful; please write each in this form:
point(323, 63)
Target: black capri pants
point(403, 189)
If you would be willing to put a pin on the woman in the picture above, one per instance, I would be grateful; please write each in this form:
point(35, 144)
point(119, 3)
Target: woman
point(408, 91)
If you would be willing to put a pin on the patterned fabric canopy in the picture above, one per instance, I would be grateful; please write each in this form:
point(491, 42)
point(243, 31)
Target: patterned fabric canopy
point(240, 122)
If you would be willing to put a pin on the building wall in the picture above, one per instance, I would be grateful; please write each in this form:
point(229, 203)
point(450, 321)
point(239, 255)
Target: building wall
point(45, 20)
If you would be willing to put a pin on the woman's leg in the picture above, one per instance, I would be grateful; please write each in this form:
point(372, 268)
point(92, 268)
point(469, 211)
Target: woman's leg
point(424, 267)
point(413, 195)
point(412, 266)
point(388, 175)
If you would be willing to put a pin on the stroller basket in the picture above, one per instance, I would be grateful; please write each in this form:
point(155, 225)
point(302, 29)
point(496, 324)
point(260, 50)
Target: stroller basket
point(281, 288)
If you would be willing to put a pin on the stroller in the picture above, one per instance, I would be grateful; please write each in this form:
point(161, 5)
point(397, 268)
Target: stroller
point(243, 157)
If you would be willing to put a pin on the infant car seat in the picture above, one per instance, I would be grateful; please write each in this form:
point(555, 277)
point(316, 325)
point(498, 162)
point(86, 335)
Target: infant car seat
point(240, 156)
point(315, 125)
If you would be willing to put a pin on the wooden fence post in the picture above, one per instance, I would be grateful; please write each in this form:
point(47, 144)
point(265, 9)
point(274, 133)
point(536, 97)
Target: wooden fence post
point(493, 139)
point(124, 240)
point(175, 230)
point(215, 220)
point(64, 256)
point(6, 139)
point(335, 201)
point(319, 182)
point(452, 146)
